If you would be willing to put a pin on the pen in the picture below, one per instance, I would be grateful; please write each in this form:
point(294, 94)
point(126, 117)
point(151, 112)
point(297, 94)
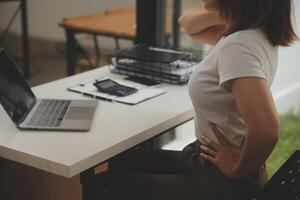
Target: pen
point(90, 95)
point(97, 97)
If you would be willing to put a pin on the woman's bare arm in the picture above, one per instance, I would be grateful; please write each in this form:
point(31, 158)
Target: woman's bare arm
point(263, 125)
point(256, 105)
point(202, 25)
point(210, 35)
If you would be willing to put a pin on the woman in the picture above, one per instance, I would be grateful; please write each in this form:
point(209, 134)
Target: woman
point(236, 123)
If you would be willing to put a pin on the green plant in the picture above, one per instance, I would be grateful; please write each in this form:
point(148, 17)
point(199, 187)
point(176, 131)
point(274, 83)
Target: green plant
point(288, 143)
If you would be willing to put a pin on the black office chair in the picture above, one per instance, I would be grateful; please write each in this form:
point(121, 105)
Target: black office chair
point(285, 184)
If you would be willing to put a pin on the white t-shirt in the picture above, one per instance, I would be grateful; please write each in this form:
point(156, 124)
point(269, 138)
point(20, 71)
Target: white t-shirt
point(245, 53)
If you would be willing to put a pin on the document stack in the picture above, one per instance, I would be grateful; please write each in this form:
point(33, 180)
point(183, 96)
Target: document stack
point(155, 63)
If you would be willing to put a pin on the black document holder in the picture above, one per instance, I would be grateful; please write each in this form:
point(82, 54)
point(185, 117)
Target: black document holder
point(155, 63)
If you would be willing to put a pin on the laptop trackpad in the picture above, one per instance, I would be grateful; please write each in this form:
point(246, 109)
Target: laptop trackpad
point(80, 113)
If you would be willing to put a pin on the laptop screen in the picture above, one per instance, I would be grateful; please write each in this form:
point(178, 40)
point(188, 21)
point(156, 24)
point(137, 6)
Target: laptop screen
point(15, 95)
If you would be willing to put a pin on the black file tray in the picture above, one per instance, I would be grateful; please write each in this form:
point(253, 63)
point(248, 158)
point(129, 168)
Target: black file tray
point(155, 63)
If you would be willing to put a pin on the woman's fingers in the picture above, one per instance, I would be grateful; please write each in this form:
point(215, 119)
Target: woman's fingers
point(208, 142)
point(208, 151)
point(219, 135)
point(208, 157)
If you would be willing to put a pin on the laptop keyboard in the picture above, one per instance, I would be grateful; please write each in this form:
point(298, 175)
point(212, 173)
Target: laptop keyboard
point(49, 113)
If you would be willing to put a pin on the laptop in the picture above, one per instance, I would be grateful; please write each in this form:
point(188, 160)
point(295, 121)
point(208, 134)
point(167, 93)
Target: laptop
point(28, 112)
point(285, 183)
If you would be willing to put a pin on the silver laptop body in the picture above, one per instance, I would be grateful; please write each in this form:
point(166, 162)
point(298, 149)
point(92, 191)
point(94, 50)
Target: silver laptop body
point(27, 112)
point(76, 115)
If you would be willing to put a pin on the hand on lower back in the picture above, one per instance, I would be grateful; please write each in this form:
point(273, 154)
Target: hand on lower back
point(224, 155)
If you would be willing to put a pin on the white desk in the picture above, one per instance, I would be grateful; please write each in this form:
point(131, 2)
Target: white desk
point(116, 128)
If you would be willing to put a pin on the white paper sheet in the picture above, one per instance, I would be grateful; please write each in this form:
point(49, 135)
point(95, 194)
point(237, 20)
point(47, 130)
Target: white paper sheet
point(142, 94)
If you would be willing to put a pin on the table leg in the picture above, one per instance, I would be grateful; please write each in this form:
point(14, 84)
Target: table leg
point(25, 39)
point(176, 28)
point(87, 182)
point(117, 43)
point(71, 52)
point(97, 50)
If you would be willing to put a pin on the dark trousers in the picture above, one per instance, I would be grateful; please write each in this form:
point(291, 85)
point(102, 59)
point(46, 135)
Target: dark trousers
point(144, 174)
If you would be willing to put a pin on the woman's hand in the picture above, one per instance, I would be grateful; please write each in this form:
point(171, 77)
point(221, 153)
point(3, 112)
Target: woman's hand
point(224, 156)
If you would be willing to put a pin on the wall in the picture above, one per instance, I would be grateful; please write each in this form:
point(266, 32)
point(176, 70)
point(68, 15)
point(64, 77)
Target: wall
point(44, 16)
point(286, 87)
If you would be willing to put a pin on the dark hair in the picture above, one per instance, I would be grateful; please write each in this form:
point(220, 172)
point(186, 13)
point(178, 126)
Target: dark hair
point(274, 16)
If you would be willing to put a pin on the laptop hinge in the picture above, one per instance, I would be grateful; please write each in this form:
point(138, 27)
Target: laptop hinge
point(26, 113)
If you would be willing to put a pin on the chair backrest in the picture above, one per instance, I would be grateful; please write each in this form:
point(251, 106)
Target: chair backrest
point(285, 184)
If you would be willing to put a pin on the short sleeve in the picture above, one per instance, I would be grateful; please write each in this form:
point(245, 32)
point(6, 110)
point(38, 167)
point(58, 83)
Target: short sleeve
point(236, 60)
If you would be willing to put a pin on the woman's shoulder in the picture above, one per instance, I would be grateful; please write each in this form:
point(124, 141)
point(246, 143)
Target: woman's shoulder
point(244, 34)
point(251, 39)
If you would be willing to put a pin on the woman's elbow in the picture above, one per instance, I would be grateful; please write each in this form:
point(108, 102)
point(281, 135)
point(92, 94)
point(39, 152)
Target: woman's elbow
point(183, 22)
point(274, 135)
point(275, 130)
point(186, 24)
point(269, 132)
